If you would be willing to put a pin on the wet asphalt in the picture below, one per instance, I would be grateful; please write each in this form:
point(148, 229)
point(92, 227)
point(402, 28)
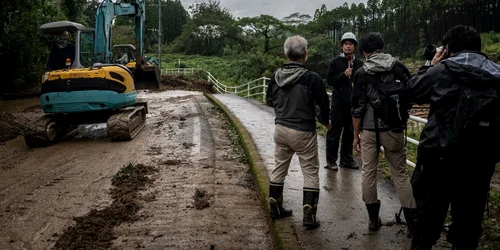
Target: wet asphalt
point(341, 211)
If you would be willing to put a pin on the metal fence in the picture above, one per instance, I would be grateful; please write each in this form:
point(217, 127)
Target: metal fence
point(179, 71)
point(253, 89)
point(418, 121)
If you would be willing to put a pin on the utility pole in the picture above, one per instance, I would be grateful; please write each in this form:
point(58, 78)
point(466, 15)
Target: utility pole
point(159, 31)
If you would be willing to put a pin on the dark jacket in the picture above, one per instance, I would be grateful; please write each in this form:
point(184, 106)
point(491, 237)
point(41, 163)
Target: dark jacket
point(58, 56)
point(342, 87)
point(439, 86)
point(298, 96)
point(364, 93)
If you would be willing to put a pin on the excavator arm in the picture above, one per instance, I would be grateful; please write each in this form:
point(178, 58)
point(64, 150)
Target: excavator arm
point(146, 77)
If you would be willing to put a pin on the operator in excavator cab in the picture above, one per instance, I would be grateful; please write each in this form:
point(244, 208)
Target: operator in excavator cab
point(124, 58)
point(61, 52)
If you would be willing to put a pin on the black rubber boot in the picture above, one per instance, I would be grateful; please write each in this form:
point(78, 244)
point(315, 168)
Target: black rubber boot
point(417, 244)
point(373, 211)
point(276, 202)
point(310, 202)
point(410, 216)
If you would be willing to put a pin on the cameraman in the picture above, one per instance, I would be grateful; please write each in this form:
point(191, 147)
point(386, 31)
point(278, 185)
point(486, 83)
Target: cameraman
point(449, 172)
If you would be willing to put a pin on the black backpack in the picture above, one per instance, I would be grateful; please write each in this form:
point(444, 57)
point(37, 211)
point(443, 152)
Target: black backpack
point(476, 123)
point(391, 106)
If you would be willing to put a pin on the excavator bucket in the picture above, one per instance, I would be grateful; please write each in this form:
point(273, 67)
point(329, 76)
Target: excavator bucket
point(146, 77)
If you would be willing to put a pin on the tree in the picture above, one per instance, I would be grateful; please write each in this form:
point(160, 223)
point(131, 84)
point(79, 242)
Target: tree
point(266, 27)
point(209, 30)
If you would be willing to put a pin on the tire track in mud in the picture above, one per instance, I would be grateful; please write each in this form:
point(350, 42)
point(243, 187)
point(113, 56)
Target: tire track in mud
point(204, 161)
point(186, 138)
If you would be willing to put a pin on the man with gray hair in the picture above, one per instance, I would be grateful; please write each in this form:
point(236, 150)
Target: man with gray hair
point(299, 98)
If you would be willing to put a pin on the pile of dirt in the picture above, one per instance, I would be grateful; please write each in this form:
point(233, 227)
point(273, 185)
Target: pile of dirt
point(95, 230)
point(13, 125)
point(181, 82)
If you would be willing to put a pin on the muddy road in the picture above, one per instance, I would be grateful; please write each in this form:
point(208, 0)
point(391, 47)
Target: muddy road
point(200, 196)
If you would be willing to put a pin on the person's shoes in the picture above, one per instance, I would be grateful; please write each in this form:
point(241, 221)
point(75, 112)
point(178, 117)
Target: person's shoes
point(332, 166)
point(351, 165)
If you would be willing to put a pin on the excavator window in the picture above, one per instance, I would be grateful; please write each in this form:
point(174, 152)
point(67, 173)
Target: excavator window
point(86, 49)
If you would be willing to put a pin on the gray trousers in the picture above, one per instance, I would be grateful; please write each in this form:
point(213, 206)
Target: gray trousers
point(395, 153)
point(304, 144)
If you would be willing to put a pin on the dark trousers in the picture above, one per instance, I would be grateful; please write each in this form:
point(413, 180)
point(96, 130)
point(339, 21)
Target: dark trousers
point(438, 182)
point(341, 121)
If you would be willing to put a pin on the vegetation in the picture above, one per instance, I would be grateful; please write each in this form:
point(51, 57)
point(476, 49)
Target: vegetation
point(250, 46)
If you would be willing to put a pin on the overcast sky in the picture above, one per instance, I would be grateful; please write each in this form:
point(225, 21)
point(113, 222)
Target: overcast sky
point(276, 8)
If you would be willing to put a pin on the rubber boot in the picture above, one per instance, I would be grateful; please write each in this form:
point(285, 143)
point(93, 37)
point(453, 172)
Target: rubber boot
point(417, 244)
point(310, 202)
point(276, 202)
point(410, 216)
point(373, 211)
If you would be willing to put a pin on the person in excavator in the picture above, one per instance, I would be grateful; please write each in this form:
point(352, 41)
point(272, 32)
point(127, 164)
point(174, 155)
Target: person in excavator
point(61, 51)
point(124, 58)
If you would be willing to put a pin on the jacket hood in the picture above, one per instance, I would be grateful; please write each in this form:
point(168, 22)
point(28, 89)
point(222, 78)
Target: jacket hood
point(288, 74)
point(473, 67)
point(378, 62)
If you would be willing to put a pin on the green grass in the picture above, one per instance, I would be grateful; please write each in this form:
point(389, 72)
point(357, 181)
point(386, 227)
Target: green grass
point(491, 233)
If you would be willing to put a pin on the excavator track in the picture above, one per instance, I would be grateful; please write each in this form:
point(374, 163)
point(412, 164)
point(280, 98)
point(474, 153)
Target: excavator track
point(124, 126)
point(43, 132)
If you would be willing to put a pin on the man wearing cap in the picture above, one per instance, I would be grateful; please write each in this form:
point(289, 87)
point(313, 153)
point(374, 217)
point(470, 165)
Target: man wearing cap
point(61, 51)
point(340, 72)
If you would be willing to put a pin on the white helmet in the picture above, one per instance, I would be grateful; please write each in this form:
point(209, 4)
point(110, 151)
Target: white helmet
point(349, 36)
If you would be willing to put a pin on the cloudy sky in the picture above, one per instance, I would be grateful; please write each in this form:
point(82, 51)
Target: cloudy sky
point(276, 8)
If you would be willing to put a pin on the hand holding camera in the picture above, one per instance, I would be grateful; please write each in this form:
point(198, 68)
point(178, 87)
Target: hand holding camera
point(435, 54)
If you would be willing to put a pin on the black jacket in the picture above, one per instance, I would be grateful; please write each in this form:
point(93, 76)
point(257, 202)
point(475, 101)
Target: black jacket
point(298, 96)
point(58, 56)
point(363, 92)
point(438, 86)
point(342, 87)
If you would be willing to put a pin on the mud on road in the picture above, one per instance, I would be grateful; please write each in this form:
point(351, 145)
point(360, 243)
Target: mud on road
point(202, 195)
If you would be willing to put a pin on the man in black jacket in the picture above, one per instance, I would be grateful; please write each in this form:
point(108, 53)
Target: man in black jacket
point(61, 51)
point(378, 121)
point(447, 171)
point(298, 97)
point(340, 72)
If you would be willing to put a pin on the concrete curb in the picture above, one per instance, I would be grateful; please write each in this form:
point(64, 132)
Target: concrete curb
point(258, 169)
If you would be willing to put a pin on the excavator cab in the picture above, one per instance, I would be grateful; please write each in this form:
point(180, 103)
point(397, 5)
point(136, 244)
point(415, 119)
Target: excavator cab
point(146, 74)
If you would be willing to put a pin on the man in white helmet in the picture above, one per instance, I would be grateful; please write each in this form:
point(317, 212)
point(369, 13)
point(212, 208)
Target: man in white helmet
point(340, 72)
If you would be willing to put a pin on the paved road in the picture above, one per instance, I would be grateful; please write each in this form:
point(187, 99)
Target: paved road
point(341, 210)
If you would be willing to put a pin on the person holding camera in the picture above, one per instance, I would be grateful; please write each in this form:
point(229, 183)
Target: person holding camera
point(298, 97)
point(380, 113)
point(340, 72)
point(454, 163)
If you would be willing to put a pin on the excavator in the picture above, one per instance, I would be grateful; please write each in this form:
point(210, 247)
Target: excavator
point(91, 89)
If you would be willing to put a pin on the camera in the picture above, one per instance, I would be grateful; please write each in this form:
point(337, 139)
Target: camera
point(430, 51)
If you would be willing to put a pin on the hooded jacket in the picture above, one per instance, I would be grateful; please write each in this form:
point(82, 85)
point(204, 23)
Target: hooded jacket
point(364, 93)
point(342, 87)
point(298, 96)
point(439, 85)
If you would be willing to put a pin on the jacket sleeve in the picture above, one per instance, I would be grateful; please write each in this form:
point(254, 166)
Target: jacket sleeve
point(335, 75)
point(269, 92)
point(321, 101)
point(419, 88)
point(358, 99)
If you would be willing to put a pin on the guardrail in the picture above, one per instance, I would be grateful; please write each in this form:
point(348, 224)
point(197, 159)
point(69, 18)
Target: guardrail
point(414, 141)
point(253, 89)
point(179, 71)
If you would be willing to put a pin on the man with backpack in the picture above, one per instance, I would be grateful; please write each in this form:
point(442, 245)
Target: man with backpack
point(340, 72)
point(457, 152)
point(380, 113)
